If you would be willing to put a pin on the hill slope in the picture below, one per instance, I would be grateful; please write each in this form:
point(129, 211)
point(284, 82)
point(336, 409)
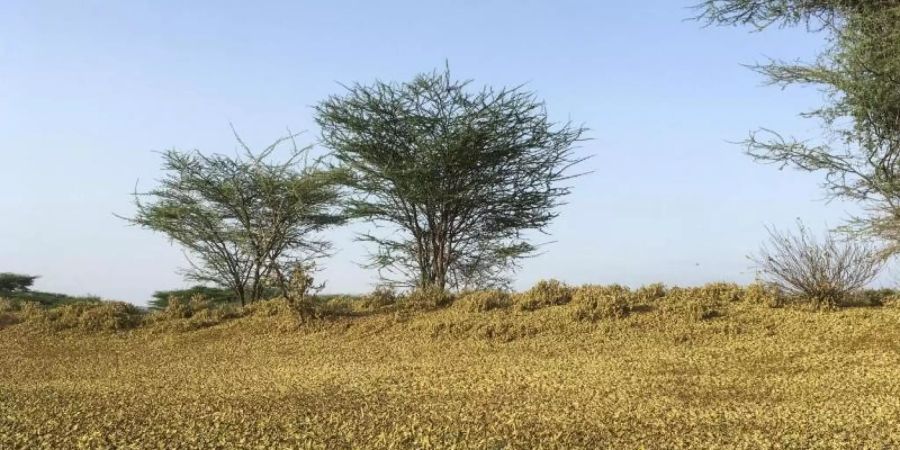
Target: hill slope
point(750, 377)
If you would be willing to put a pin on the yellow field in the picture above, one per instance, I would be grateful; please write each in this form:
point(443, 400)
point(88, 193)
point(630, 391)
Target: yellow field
point(748, 376)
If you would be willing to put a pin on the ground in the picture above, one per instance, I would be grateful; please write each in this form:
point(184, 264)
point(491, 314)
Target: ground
point(751, 376)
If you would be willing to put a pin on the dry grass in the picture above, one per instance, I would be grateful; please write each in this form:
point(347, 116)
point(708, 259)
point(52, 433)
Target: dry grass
point(664, 375)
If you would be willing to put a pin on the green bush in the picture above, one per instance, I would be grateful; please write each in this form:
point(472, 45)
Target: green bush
point(212, 294)
point(48, 299)
point(14, 282)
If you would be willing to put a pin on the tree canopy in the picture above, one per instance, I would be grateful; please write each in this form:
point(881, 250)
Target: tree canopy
point(859, 71)
point(14, 282)
point(246, 220)
point(462, 174)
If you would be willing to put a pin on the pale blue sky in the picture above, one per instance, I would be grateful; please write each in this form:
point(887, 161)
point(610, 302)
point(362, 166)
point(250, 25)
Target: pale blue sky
point(89, 89)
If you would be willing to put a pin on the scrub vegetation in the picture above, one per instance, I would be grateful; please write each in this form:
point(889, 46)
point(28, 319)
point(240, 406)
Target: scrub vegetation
point(717, 366)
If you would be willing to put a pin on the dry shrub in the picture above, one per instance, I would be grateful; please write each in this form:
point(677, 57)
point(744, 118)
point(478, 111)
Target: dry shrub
point(280, 314)
point(9, 319)
point(194, 313)
point(31, 311)
point(721, 292)
point(892, 300)
point(545, 293)
point(110, 316)
point(8, 306)
point(482, 301)
point(426, 298)
point(691, 303)
point(871, 297)
point(341, 305)
point(88, 317)
point(594, 303)
point(271, 308)
point(350, 305)
point(760, 293)
point(208, 317)
point(650, 293)
point(826, 273)
point(179, 308)
point(381, 297)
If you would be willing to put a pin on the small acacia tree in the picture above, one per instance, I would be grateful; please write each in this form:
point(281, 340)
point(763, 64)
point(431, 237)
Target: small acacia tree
point(245, 220)
point(461, 173)
point(14, 282)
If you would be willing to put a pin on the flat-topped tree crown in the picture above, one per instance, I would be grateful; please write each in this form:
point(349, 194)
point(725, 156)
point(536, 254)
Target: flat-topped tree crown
point(461, 173)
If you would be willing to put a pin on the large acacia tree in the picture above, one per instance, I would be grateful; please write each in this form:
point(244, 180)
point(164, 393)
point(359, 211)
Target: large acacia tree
point(859, 71)
point(458, 174)
point(245, 221)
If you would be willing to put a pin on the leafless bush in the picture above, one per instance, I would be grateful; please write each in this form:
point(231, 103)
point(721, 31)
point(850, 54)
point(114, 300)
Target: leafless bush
point(825, 272)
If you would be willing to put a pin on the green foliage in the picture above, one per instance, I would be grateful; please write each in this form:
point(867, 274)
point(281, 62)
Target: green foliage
point(460, 173)
point(545, 293)
point(214, 295)
point(13, 282)
point(245, 220)
point(18, 287)
point(859, 72)
point(49, 299)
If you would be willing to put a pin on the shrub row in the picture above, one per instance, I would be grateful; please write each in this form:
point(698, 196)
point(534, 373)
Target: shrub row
point(586, 303)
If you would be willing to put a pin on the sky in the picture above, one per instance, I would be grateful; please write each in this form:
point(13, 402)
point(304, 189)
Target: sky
point(91, 91)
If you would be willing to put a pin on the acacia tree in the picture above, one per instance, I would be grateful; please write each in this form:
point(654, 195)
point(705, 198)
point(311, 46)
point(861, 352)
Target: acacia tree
point(460, 174)
point(244, 221)
point(859, 71)
point(14, 282)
